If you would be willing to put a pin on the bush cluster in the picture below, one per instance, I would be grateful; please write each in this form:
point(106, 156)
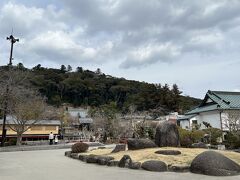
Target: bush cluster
point(187, 138)
point(232, 140)
point(214, 133)
point(79, 147)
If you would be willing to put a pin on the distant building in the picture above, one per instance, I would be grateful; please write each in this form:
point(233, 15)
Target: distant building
point(38, 131)
point(216, 110)
point(79, 128)
point(82, 117)
point(173, 117)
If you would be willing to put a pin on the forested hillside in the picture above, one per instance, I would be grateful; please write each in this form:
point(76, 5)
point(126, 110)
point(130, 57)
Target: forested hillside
point(86, 88)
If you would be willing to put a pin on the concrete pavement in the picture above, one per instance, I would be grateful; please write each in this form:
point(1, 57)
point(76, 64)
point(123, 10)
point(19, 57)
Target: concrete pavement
point(53, 165)
point(47, 147)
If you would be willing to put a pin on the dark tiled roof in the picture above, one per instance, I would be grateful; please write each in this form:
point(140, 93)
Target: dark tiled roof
point(10, 120)
point(85, 120)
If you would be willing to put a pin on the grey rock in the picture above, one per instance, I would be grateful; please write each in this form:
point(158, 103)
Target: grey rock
point(167, 135)
point(74, 155)
point(179, 168)
point(214, 164)
point(102, 147)
point(103, 160)
point(82, 157)
point(125, 161)
point(135, 165)
point(112, 163)
point(237, 150)
point(68, 153)
point(168, 152)
point(91, 158)
point(200, 145)
point(153, 165)
point(135, 144)
point(119, 147)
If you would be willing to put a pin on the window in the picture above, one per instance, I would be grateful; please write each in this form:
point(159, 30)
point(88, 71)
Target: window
point(194, 122)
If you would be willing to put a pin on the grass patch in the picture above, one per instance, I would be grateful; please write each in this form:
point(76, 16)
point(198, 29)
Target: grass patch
point(185, 158)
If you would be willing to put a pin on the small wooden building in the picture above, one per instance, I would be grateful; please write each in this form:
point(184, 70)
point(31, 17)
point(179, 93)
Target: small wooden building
point(38, 131)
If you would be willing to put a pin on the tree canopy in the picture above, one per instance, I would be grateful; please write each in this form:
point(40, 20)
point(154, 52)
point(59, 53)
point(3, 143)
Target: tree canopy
point(87, 88)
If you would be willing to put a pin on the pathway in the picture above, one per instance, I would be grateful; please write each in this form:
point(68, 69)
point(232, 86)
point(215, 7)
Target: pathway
point(53, 165)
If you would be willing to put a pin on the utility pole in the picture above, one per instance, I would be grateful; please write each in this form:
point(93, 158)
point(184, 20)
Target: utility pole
point(4, 131)
point(12, 40)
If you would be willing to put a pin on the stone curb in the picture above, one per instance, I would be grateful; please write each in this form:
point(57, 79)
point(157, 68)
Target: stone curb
point(35, 148)
point(44, 147)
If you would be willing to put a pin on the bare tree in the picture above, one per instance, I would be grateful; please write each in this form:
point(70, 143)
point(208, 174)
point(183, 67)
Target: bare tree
point(232, 120)
point(24, 105)
point(28, 110)
point(132, 110)
point(105, 118)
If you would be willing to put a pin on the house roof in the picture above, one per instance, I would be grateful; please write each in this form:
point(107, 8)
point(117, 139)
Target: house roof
point(218, 100)
point(85, 120)
point(186, 117)
point(10, 120)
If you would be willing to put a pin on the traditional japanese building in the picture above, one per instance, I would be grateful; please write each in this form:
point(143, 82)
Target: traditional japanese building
point(219, 109)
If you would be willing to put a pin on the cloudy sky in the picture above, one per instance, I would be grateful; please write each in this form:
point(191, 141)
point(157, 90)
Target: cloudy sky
point(195, 44)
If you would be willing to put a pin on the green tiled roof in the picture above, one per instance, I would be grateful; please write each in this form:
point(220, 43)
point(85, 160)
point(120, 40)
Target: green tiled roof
point(186, 117)
point(221, 100)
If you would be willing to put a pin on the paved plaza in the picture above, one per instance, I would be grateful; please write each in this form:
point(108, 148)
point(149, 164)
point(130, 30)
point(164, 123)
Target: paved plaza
point(53, 165)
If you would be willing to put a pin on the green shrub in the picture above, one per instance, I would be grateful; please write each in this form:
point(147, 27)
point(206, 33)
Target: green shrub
point(232, 141)
point(187, 138)
point(79, 147)
point(214, 134)
point(197, 136)
point(184, 136)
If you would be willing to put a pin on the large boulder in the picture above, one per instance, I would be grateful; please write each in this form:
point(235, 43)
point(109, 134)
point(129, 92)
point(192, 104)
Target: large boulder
point(91, 158)
point(103, 160)
point(168, 152)
point(126, 161)
point(214, 164)
point(134, 144)
point(119, 147)
point(154, 165)
point(167, 135)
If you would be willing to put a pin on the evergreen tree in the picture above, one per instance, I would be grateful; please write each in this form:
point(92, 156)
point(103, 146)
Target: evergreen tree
point(176, 97)
point(79, 69)
point(69, 68)
point(63, 68)
point(20, 66)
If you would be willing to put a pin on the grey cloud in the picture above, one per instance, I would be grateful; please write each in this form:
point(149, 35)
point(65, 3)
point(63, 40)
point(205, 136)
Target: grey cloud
point(143, 22)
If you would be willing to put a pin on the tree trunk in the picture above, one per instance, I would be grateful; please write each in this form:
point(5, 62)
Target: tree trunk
point(19, 139)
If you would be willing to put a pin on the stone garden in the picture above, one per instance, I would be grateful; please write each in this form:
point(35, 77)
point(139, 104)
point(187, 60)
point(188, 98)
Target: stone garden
point(165, 154)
